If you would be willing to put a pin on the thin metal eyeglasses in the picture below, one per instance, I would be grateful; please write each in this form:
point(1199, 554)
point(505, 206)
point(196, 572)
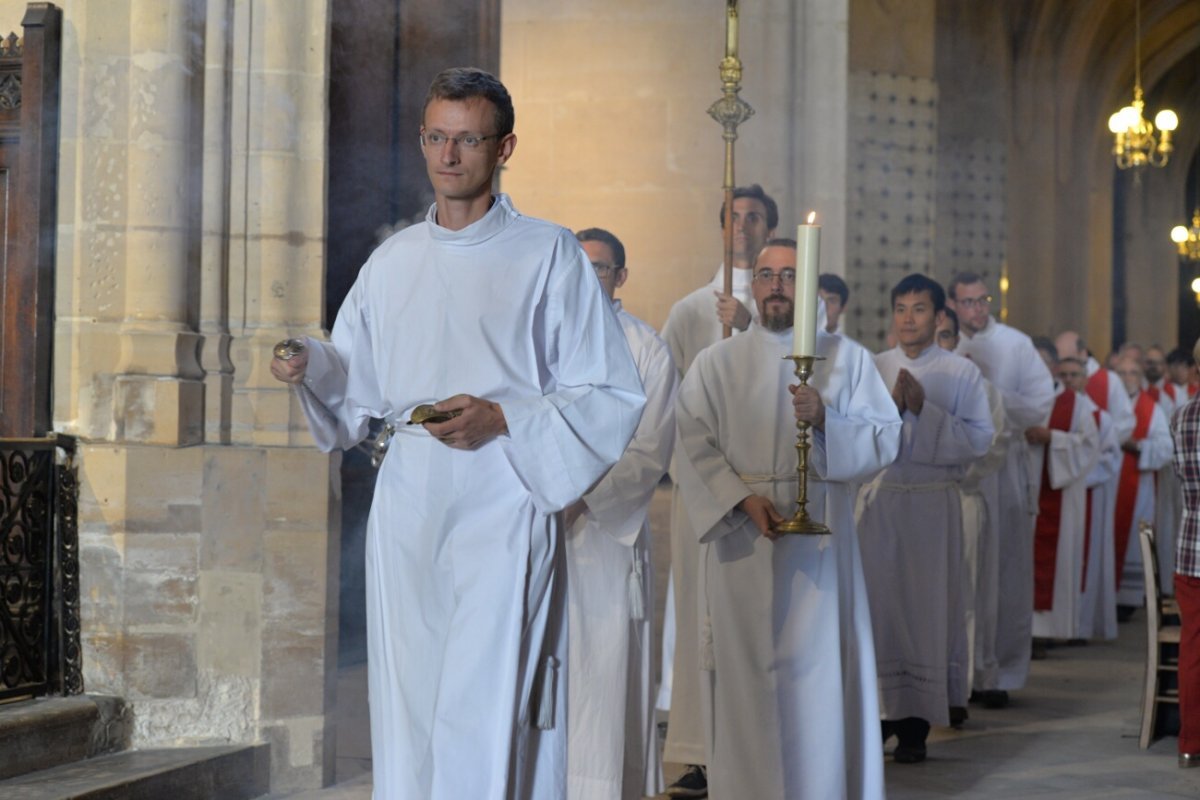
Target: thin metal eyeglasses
point(470, 141)
point(787, 276)
point(604, 270)
point(969, 302)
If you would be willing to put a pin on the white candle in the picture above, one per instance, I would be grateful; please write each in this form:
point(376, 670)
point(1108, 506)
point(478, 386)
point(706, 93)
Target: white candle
point(808, 256)
point(731, 32)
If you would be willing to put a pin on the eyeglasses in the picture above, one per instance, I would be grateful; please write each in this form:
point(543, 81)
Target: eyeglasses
point(470, 141)
point(786, 276)
point(604, 270)
point(971, 302)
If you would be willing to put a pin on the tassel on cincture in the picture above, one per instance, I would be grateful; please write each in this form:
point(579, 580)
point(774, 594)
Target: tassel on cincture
point(637, 598)
point(544, 719)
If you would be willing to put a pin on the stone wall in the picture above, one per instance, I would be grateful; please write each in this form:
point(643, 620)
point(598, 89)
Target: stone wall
point(190, 239)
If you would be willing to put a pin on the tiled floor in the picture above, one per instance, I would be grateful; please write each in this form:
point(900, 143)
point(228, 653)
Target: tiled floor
point(1072, 733)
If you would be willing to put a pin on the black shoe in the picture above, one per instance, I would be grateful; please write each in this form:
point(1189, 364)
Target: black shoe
point(911, 731)
point(693, 783)
point(958, 715)
point(1125, 613)
point(908, 754)
point(976, 696)
point(995, 698)
point(1038, 651)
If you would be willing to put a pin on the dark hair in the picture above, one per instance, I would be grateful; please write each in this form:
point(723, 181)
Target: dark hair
point(780, 241)
point(963, 279)
point(464, 83)
point(950, 315)
point(1044, 344)
point(828, 282)
point(604, 237)
point(755, 192)
point(1180, 356)
point(917, 283)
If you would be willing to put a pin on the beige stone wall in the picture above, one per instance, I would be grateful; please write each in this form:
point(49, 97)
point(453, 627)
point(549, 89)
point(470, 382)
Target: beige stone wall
point(613, 130)
point(190, 239)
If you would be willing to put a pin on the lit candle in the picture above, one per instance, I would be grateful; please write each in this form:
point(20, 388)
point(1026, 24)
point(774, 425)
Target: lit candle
point(808, 256)
point(731, 31)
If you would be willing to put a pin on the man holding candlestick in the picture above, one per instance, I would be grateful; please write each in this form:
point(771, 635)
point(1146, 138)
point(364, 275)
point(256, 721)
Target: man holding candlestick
point(788, 646)
point(693, 324)
point(910, 522)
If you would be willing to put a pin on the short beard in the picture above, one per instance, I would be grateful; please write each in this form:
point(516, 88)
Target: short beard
point(781, 321)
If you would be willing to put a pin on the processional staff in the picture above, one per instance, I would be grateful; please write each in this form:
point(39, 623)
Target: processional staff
point(730, 111)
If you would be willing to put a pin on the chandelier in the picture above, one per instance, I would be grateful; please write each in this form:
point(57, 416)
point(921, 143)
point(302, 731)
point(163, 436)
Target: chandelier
point(1188, 239)
point(1134, 143)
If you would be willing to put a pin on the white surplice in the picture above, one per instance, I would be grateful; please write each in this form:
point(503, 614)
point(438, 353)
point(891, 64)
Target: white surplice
point(1157, 449)
point(691, 326)
point(980, 489)
point(910, 533)
point(612, 747)
point(794, 706)
point(1098, 595)
point(465, 594)
point(1068, 458)
point(1008, 359)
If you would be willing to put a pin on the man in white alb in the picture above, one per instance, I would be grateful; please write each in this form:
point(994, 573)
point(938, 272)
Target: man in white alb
point(612, 747)
point(794, 708)
point(498, 322)
point(694, 323)
point(1007, 359)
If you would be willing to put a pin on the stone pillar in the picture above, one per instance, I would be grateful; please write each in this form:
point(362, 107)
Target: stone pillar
point(127, 208)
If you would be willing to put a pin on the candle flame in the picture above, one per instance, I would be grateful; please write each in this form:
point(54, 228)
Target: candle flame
point(812, 217)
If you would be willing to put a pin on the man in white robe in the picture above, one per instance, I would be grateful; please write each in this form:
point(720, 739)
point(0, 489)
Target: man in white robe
point(694, 323)
point(1098, 606)
point(795, 711)
point(1007, 358)
point(1062, 454)
point(612, 746)
point(1147, 449)
point(1168, 499)
point(910, 522)
point(834, 292)
point(980, 489)
point(498, 321)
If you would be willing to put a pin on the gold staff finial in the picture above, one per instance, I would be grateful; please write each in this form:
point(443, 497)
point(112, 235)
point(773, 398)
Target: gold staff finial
point(730, 111)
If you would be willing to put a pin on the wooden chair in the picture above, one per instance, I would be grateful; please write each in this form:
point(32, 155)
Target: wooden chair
point(1162, 641)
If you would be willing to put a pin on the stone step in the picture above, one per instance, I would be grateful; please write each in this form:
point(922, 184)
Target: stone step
point(227, 772)
point(43, 733)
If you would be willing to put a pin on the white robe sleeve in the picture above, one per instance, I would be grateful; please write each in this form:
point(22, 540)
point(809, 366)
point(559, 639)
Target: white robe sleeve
point(1109, 462)
point(944, 438)
point(559, 444)
point(1120, 408)
point(862, 427)
point(340, 393)
point(708, 481)
point(620, 501)
point(1030, 403)
point(1073, 453)
point(1157, 447)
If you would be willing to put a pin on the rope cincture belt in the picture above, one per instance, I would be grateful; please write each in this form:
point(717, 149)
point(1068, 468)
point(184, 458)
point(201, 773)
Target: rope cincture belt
point(778, 477)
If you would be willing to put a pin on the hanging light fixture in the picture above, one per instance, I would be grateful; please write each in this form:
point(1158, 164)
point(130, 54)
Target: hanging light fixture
point(1188, 239)
point(1134, 143)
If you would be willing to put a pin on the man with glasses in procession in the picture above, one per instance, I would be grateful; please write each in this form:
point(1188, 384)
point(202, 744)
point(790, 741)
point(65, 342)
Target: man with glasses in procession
point(1008, 359)
point(787, 649)
point(496, 320)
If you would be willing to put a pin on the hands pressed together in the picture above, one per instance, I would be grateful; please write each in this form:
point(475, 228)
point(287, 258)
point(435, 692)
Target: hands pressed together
point(908, 393)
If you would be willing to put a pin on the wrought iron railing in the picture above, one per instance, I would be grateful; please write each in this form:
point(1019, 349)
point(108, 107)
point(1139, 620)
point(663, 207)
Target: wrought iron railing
point(39, 568)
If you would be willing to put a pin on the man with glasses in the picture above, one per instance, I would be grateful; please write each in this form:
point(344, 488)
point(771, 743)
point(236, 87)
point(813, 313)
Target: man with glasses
point(1008, 359)
point(910, 523)
point(789, 654)
point(694, 323)
point(612, 746)
point(497, 322)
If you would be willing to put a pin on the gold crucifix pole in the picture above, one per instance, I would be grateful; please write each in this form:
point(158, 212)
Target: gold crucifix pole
point(730, 111)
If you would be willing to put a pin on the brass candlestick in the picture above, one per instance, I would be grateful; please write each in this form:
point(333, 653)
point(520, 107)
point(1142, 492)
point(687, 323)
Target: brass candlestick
point(801, 522)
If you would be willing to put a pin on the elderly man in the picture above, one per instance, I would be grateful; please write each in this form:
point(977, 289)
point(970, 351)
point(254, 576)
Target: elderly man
point(1146, 451)
point(794, 706)
point(693, 324)
point(612, 749)
point(1167, 498)
point(1007, 358)
point(497, 321)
